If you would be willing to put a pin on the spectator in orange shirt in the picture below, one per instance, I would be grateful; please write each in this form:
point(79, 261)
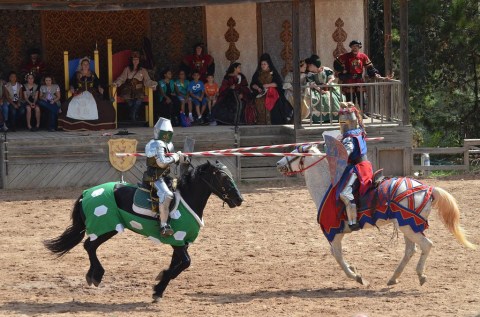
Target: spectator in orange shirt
point(211, 91)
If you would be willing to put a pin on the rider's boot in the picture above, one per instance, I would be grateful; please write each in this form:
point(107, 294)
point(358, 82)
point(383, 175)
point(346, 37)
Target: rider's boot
point(165, 229)
point(349, 200)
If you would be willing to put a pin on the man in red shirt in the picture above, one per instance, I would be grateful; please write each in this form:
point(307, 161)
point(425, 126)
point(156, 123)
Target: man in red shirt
point(199, 61)
point(34, 65)
point(350, 71)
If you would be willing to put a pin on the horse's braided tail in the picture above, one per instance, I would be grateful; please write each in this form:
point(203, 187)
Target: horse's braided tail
point(72, 236)
point(447, 208)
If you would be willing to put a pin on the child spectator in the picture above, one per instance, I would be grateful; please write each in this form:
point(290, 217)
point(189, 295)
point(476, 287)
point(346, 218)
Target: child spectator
point(181, 89)
point(50, 100)
point(169, 103)
point(211, 90)
point(12, 106)
point(196, 91)
point(30, 94)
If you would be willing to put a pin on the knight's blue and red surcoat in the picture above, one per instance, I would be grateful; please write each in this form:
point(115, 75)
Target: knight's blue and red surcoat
point(357, 161)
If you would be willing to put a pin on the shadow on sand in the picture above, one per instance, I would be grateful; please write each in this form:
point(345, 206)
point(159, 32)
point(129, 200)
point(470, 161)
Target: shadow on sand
point(224, 298)
point(31, 308)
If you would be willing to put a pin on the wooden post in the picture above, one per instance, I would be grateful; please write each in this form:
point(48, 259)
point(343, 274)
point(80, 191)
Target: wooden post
point(387, 50)
point(366, 19)
point(96, 62)
point(66, 73)
point(404, 59)
point(296, 61)
point(387, 20)
point(113, 90)
point(3, 173)
point(150, 108)
point(109, 61)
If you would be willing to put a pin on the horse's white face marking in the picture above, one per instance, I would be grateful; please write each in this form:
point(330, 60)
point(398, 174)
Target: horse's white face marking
point(283, 164)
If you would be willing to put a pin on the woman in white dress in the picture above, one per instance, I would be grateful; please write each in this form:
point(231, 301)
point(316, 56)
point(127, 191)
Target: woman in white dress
point(86, 109)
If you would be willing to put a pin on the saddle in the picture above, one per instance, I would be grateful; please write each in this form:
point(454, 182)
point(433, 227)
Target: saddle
point(377, 178)
point(369, 200)
point(142, 201)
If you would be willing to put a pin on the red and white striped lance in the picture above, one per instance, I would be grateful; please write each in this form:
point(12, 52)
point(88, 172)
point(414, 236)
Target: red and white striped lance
point(212, 154)
point(263, 147)
point(229, 152)
point(277, 146)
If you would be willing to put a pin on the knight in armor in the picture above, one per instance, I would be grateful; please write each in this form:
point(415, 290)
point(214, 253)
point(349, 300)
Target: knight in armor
point(158, 169)
point(358, 173)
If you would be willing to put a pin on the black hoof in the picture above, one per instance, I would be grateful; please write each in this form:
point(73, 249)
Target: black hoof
point(94, 276)
point(156, 298)
point(89, 280)
point(354, 227)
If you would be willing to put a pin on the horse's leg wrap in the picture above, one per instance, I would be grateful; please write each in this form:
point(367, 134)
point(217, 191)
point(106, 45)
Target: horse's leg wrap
point(349, 200)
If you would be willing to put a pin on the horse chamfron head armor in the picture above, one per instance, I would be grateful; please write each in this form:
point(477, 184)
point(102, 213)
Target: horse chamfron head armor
point(348, 116)
point(163, 130)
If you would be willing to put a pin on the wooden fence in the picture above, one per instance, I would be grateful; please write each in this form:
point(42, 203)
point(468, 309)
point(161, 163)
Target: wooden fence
point(382, 100)
point(470, 146)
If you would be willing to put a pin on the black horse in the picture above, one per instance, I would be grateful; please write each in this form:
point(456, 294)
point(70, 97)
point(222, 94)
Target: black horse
point(195, 186)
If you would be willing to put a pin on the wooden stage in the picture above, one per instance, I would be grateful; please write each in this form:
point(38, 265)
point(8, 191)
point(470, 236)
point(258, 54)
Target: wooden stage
point(78, 159)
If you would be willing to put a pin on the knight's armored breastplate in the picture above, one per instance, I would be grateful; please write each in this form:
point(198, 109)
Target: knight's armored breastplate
point(155, 171)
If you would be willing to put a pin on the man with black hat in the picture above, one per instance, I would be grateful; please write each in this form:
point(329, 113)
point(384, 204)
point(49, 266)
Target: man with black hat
point(34, 65)
point(199, 61)
point(350, 71)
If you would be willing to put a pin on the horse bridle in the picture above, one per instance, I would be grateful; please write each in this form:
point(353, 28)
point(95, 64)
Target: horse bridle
point(301, 164)
point(224, 193)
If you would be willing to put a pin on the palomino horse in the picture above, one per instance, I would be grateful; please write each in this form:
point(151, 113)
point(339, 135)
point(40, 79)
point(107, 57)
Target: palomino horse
point(403, 201)
point(115, 212)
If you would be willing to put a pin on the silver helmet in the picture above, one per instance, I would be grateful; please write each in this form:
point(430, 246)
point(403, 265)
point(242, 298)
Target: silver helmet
point(163, 130)
point(347, 116)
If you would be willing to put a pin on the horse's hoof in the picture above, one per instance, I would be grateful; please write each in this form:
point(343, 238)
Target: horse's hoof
point(156, 298)
point(96, 283)
point(89, 280)
point(392, 282)
point(159, 276)
point(360, 280)
point(422, 279)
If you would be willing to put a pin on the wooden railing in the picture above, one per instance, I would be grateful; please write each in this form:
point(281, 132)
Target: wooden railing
point(470, 147)
point(382, 100)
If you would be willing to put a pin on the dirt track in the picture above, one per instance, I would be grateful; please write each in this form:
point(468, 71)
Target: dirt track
point(265, 258)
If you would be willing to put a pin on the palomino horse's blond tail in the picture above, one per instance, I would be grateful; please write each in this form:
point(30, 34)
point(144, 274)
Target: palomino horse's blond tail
point(447, 208)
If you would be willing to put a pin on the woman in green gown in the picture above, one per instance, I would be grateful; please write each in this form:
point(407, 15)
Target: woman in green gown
point(325, 102)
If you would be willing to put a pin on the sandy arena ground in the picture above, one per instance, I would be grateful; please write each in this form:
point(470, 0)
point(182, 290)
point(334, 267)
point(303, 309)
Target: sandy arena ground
point(265, 258)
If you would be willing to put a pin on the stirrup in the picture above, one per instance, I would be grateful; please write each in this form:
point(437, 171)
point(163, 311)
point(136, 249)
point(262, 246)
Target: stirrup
point(166, 231)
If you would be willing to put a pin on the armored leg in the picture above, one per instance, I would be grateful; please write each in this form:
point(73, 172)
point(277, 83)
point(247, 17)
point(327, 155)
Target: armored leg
point(165, 197)
point(349, 200)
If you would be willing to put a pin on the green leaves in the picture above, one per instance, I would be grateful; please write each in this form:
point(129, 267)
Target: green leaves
point(444, 58)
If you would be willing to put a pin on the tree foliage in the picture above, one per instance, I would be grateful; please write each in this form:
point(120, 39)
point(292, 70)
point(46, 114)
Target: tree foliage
point(444, 65)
